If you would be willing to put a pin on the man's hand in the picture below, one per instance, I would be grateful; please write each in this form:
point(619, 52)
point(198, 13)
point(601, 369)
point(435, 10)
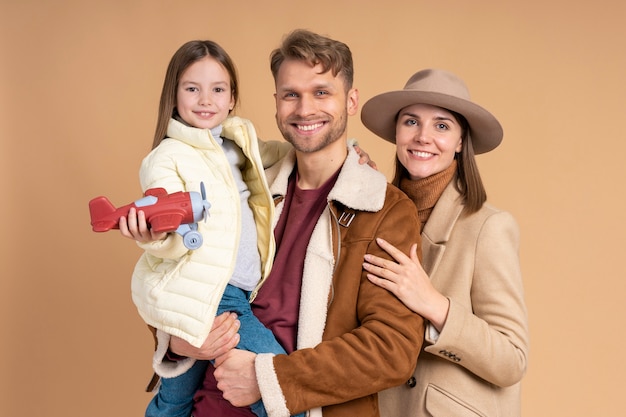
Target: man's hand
point(236, 377)
point(222, 338)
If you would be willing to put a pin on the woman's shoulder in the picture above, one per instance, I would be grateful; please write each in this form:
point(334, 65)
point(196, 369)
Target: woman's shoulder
point(493, 218)
point(488, 210)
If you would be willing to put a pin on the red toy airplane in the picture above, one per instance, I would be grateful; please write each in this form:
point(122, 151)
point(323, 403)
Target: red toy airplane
point(180, 212)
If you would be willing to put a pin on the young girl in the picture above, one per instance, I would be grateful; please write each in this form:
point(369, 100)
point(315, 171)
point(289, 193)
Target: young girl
point(179, 291)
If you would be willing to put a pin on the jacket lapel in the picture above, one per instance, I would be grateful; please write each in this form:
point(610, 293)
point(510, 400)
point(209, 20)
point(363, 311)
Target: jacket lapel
point(439, 227)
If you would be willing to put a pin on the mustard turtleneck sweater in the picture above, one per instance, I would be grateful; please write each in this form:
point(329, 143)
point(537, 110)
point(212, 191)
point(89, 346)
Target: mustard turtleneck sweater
point(426, 191)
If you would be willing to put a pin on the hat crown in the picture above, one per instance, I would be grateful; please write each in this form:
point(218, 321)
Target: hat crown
point(438, 81)
point(438, 88)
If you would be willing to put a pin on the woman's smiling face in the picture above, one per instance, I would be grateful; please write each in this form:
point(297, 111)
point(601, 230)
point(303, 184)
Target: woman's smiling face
point(427, 137)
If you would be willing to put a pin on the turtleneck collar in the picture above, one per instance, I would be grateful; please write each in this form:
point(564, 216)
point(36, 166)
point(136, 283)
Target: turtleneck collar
point(426, 191)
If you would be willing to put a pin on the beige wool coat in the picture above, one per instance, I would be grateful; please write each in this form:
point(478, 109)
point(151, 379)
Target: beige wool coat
point(475, 365)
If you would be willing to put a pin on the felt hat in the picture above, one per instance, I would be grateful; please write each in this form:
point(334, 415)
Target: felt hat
point(437, 88)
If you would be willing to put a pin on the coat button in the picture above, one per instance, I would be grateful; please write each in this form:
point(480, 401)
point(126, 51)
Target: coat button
point(411, 382)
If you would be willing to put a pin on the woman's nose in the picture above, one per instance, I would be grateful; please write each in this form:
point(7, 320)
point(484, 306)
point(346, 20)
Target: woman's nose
point(422, 136)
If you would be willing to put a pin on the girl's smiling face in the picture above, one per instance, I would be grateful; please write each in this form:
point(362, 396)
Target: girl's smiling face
point(427, 138)
point(204, 97)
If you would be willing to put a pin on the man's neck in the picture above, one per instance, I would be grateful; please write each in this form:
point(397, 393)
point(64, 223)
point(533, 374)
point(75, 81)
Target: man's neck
point(314, 169)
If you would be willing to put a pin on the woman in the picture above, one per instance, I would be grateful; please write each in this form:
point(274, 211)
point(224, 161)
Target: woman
point(469, 287)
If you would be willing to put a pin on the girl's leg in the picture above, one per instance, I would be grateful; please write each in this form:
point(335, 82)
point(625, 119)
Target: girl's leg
point(175, 395)
point(255, 337)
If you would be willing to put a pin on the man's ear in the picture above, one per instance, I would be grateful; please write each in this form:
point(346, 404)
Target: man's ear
point(353, 101)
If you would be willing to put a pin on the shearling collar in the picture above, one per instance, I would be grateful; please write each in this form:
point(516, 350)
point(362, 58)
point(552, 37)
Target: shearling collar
point(359, 187)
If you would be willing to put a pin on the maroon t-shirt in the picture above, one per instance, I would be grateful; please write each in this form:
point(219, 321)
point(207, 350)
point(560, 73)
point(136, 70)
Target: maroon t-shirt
point(278, 302)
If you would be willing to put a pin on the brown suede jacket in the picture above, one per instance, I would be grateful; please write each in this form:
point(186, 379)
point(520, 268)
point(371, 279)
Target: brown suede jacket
point(354, 338)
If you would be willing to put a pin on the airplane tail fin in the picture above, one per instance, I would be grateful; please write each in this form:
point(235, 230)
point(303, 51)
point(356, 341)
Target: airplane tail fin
point(100, 207)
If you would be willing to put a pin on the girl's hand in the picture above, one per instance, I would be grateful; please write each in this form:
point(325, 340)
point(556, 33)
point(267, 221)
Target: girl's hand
point(136, 227)
point(223, 337)
point(408, 281)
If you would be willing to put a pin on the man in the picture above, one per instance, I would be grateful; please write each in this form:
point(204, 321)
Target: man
point(348, 338)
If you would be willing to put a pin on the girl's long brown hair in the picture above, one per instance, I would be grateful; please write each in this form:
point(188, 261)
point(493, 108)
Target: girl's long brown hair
point(186, 55)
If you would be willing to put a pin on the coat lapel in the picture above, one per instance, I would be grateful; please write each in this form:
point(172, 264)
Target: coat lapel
point(439, 227)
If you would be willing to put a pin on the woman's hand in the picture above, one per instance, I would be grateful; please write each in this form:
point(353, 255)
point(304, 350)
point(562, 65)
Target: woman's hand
point(136, 227)
point(364, 158)
point(408, 281)
point(223, 337)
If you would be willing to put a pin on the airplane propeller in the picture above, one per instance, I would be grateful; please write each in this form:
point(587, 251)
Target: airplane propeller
point(205, 204)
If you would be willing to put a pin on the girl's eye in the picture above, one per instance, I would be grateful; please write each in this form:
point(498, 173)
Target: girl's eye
point(192, 89)
point(219, 89)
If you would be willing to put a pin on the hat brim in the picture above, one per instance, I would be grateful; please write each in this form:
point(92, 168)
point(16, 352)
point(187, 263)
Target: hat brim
point(379, 115)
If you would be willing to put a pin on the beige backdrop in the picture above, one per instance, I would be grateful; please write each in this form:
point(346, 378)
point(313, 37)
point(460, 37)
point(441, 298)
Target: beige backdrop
point(79, 95)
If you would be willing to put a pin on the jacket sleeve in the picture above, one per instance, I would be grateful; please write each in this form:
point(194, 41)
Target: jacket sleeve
point(273, 151)
point(492, 340)
point(158, 169)
point(161, 364)
point(377, 351)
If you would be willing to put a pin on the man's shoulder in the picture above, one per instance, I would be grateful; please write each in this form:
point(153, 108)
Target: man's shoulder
point(395, 199)
point(395, 194)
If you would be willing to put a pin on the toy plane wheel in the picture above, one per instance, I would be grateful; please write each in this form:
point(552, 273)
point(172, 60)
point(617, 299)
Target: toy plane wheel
point(192, 239)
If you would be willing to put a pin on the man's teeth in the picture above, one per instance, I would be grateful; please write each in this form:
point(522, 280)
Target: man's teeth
point(310, 127)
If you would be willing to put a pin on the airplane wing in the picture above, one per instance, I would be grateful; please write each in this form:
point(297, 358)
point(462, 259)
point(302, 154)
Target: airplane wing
point(165, 222)
point(104, 225)
point(157, 192)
